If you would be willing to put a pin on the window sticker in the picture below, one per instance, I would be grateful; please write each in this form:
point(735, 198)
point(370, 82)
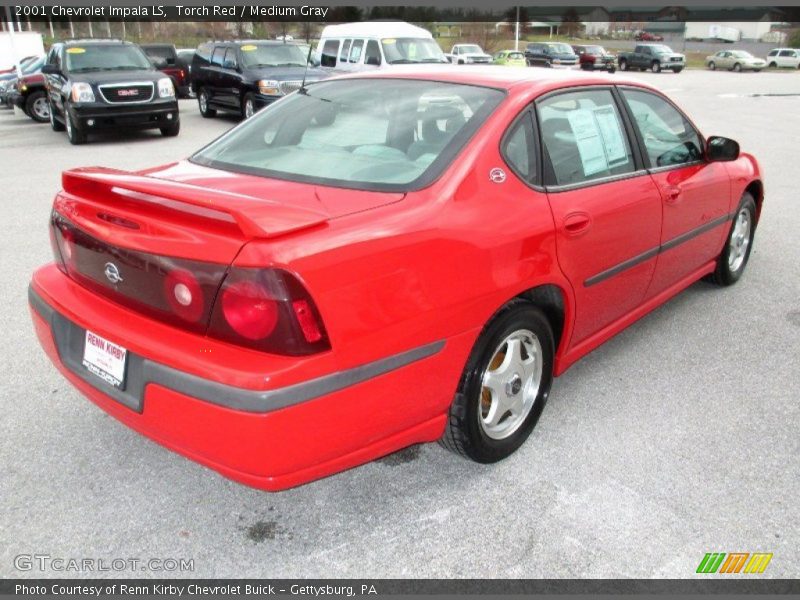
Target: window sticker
point(76, 50)
point(249, 48)
point(611, 132)
point(389, 41)
point(590, 142)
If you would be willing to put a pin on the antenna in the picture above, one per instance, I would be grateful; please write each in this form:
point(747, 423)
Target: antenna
point(305, 72)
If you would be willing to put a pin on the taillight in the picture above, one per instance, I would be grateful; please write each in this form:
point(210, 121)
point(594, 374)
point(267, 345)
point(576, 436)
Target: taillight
point(184, 295)
point(269, 310)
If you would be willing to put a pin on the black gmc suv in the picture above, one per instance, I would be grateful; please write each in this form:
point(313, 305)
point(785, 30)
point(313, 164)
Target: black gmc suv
point(95, 85)
point(244, 76)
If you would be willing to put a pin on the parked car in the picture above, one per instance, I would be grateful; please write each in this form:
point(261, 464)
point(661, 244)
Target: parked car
point(11, 72)
point(165, 58)
point(655, 57)
point(646, 36)
point(375, 45)
point(30, 96)
point(468, 54)
point(245, 76)
point(185, 57)
point(550, 54)
point(784, 57)
point(308, 292)
point(103, 85)
point(595, 57)
point(8, 84)
point(510, 58)
point(735, 60)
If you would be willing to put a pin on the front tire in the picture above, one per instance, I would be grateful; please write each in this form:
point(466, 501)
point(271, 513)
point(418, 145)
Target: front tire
point(504, 386)
point(75, 135)
point(623, 65)
point(202, 103)
point(249, 105)
point(172, 130)
point(773, 65)
point(655, 67)
point(737, 68)
point(55, 124)
point(739, 243)
point(37, 107)
point(712, 65)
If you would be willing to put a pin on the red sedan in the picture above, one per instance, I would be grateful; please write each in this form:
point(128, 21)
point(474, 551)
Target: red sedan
point(384, 259)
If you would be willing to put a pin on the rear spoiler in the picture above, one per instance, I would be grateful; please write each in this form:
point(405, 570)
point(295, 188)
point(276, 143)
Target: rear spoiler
point(255, 217)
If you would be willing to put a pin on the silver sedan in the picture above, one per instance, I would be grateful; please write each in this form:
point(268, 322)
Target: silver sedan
point(735, 60)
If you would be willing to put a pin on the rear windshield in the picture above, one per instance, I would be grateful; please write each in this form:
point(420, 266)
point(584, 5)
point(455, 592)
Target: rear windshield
point(411, 50)
point(272, 55)
point(106, 57)
point(160, 52)
point(374, 134)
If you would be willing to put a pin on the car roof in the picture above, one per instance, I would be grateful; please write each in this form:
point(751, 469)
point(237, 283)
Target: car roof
point(375, 29)
point(537, 80)
point(96, 42)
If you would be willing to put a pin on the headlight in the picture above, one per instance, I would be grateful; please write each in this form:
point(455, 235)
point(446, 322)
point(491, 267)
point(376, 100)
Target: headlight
point(165, 88)
point(82, 92)
point(22, 87)
point(269, 87)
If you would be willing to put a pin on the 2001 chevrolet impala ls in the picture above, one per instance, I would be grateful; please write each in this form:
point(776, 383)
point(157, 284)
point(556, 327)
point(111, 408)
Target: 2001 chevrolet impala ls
point(384, 259)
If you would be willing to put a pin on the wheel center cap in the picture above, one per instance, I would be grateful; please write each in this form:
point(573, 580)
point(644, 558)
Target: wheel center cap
point(514, 385)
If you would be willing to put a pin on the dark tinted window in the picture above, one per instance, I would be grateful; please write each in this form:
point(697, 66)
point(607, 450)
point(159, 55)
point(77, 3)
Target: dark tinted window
point(372, 55)
point(668, 136)
point(584, 137)
point(230, 61)
point(204, 52)
point(329, 51)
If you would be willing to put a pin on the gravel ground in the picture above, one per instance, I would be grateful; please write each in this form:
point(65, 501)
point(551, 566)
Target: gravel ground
point(676, 438)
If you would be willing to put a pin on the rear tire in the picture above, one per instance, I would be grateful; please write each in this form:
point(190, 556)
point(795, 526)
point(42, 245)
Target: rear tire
point(737, 68)
point(504, 386)
point(733, 259)
point(202, 103)
point(712, 65)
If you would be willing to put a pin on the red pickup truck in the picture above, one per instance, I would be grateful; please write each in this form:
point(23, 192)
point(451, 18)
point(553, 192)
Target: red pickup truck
point(165, 58)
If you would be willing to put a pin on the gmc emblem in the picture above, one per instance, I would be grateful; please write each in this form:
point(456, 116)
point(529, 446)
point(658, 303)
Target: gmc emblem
point(128, 92)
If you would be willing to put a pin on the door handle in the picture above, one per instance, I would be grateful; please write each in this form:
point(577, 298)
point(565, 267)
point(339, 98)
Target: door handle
point(577, 223)
point(672, 194)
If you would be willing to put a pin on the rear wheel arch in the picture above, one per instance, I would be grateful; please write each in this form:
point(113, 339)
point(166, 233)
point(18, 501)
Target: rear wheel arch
point(552, 301)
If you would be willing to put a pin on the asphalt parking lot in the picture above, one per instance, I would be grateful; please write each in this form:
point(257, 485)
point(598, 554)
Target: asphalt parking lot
point(677, 438)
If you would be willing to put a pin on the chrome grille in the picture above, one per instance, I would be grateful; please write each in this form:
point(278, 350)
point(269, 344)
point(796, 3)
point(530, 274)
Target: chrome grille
point(127, 93)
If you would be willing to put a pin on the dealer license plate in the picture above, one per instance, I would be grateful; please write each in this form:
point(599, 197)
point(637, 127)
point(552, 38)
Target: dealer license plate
point(105, 359)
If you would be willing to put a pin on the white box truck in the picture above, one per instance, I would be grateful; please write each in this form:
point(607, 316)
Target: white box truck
point(24, 43)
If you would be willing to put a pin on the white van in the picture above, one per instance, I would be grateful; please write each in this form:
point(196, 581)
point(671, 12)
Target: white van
point(374, 45)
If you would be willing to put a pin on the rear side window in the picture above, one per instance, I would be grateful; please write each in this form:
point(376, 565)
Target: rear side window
point(230, 61)
point(583, 137)
point(345, 50)
point(329, 51)
point(355, 52)
point(786, 53)
point(668, 136)
point(218, 56)
point(519, 149)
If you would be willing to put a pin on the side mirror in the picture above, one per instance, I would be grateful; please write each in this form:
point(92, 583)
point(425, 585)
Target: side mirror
point(51, 70)
point(721, 149)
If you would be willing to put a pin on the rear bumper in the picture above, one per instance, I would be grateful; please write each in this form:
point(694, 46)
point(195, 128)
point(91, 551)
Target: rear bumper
point(151, 115)
point(270, 439)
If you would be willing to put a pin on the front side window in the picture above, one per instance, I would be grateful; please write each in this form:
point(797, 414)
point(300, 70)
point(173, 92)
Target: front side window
point(361, 134)
point(329, 51)
point(583, 137)
point(106, 57)
point(668, 136)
